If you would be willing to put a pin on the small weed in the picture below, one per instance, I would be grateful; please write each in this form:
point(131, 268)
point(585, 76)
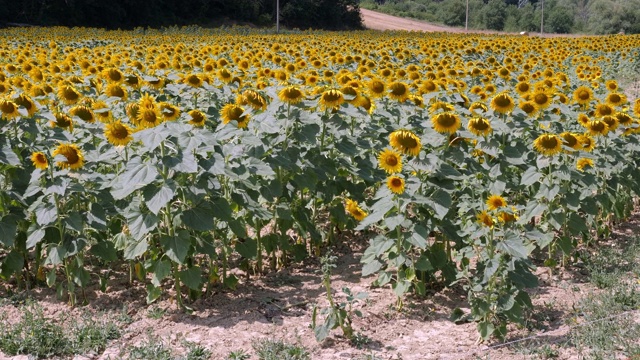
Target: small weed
point(238, 355)
point(156, 312)
point(196, 351)
point(360, 340)
point(152, 349)
point(279, 350)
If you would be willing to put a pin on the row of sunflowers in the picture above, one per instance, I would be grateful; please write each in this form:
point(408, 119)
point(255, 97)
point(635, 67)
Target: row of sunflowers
point(183, 155)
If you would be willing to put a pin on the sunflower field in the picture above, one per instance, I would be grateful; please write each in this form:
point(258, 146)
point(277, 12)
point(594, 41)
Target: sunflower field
point(184, 154)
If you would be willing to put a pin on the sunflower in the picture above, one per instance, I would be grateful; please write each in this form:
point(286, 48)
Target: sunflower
point(523, 88)
point(197, 118)
point(331, 99)
point(354, 210)
point(541, 99)
point(441, 105)
point(485, 219)
point(9, 109)
point(291, 95)
point(478, 106)
point(505, 216)
point(428, 86)
point(148, 117)
point(528, 107)
point(68, 94)
point(446, 123)
point(113, 75)
point(502, 103)
point(479, 126)
point(147, 101)
point(571, 140)
point(118, 133)
point(603, 109)
point(611, 121)
point(588, 143)
point(116, 90)
point(39, 160)
point(74, 158)
point(83, 112)
point(616, 99)
point(169, 112)
point(624, 119)
point(235, 112)
point(495, 202)
point(548, 144)
point(253, 99)
point(611, 85)
point(376, 88)
point(395, 184)
point(224, 75)
point(597, 127)
point(102, 111)
point(26, 102)
point(390, 161)
point(62, 121)
point(583, 95)
point(193, 80)
point(583, 119)
point(133, 81)
point(405, 142)
point(581, 163)
point(636, 107)
point(398, 91)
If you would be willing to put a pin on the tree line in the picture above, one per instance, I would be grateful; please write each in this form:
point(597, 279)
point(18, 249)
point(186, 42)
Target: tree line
point(560, 16)
point(128, 14)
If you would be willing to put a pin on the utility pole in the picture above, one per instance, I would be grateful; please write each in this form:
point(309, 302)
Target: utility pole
point(466, 19)
point(278, 16)
point(542, 19)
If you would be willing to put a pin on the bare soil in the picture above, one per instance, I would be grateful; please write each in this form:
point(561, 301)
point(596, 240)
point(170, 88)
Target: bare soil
point(279, 306)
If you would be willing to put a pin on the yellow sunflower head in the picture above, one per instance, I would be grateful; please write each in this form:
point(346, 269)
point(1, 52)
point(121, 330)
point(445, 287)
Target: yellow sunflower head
point(74, 158)
point(583, 95)
point(446, 122)
point(148, 117)
point(83, 112)
point(390, 161)
point(502, 103)
point(376, 88)
point(398, 91)
point(39, 160)
point(479, 126)
point(253, 99)
point(68, 94)
point(116, 90)
point(331, 99)
point(231, 112)
point(571, 140)
point(355, 210)
point(9, 109)
point(597, 127)
point(291, 95)
point(197, 118)
point(604, 109)
point(118, 133)
point(395, 184)
point(405, 142)
point(483, 218)
point(582, 163)
point(26, 102)
point(548, 144)
point(169, 111)
point(495, 202)
point(616, 99)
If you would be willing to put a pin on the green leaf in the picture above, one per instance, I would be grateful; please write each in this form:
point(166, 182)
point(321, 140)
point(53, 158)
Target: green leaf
point(192, 277)
point(56, 255)
point(514, 155)
point(74, 222)
point(7, 156)
point(135, 249)
point(8, 229)
point(97, 217)
point(514, 245)
point(34, 235)
point(162, 270)
point(153, 293)
point(530, 177)
point(151, 138)
point(401, 287)
point(176, 247)
point(419, 237)
point(46, 213)
point(441, 203)
point(247, 248)
point(141, 224)
point(136, 176)
point(522, 276)
point(393, 221)
point(13, 263)
point(577, 224)
point(486, 329)
point(371, 267)
point(157, 196)
point(81, 276)
point(105, 250)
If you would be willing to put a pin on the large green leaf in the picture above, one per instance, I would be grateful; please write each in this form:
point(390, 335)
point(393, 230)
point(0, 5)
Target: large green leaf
point(137, 175)
point(176, 247)
point(157, 196)
point(8, 229)
point(192, 277)
point(7, 156)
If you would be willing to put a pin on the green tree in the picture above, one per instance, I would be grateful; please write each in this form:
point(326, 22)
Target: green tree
point(494, 14)
point(560, 20)
point(452, 12)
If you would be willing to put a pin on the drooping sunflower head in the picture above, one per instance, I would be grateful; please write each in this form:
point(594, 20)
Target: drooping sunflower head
point(253, 99)
point(395, 184)
point(508, 216)
point(502, 103)
point(623, 118)
point(169, 111)
point(405, 142)
point(611, 121)
point(428, 86)
point(291, 95)
point(83, 112)
point(73, 156)
point(39, 160)
point(133, 81)
point(116, 90)
point(616, 99)
point(193, 80)
point(588, 142)
point(376, 88)
point(478, 107)
point(571, 140)
point(479, 126)
point(398, 91)
point(495, 202)
point(113, 75)
point(597, 127)
point(528, 107)
point(483, 218)
point(446, 122)
point(118, 133)
point(355, 210)
point(582, 163)
point(62, 120)
point(102, 111)
point(25, 101)
point(197, 118)
point(9, 109)
point(231, 112)
point(331, 99)
point(68, 94)
point(548, 144)
point(390, 161)
point(604, 109)
point(132, 110)
point(441, 106)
